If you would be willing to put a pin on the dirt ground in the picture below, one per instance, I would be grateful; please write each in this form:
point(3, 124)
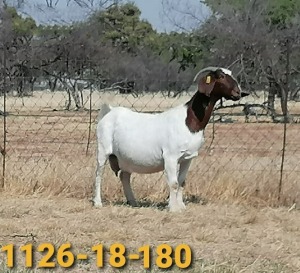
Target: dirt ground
point(233, 222)
point(223, 237)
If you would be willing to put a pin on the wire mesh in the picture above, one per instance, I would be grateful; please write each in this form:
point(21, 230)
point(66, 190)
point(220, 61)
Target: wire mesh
point(50, 148)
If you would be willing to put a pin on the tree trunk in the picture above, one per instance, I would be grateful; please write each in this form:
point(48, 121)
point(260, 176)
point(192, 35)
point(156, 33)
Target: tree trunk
point(271, 98)
point(76, 98)
point(283, 103)
point(68, 104)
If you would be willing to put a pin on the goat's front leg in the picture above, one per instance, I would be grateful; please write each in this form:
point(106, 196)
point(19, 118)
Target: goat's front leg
point(171, 169)
point(125, 179)
point(183, 170)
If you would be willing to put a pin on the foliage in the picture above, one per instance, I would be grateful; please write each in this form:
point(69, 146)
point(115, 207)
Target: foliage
point(111, 45)
point(115, 44)
point(21, 26)
point(282, 12)
point(123, 27)
point(277, 12)
point(256, 34)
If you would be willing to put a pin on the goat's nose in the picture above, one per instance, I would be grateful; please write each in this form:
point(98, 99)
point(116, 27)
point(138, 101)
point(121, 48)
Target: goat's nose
point(236, 92)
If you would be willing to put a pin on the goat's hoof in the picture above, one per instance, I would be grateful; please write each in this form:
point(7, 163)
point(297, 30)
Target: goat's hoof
point(177, 208)
point(97, 204)
point(183, 207)
point(132, 203)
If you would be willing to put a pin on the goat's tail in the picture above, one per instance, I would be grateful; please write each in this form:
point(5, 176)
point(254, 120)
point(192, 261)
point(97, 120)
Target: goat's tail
point(105, 109)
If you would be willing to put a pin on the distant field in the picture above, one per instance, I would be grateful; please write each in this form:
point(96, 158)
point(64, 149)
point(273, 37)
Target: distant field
point(229, 190)
point(47, 147)
point(47, 101)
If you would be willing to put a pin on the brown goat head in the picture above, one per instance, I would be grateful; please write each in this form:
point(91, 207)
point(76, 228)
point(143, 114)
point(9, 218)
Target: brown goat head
point(218, 83)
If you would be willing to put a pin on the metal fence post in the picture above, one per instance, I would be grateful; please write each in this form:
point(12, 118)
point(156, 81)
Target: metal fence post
point(285, 116)
point(3, 149)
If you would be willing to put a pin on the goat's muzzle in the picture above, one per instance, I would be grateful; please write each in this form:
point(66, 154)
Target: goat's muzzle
point(235, 95)
point(238, 94)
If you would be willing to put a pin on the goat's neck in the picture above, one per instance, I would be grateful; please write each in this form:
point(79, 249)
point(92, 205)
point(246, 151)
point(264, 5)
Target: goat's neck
point(199, 110)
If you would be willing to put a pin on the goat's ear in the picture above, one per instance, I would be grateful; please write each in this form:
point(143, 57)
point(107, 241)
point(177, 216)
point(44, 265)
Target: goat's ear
point(206, 84)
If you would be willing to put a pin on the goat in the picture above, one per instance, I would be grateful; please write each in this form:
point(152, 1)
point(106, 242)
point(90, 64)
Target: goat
point(255, 109)
point(147, 143)
point(250, 110)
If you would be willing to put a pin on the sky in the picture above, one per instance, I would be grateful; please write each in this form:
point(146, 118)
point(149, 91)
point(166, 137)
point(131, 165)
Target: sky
point(173, 14)
point(164, 15)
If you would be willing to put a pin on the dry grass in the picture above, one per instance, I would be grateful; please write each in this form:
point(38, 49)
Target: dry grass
point(232, 221)
point(224, 238)
point(48, 155)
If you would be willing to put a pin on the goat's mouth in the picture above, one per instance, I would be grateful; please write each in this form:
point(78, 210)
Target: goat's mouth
point(238, 95)
point(235, 97)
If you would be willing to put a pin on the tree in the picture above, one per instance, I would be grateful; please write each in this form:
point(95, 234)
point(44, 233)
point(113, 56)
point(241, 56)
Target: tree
point(17, 34)
point(18, 4)
point(123, 27)
point(90, 49)
point(256, 32)
point(276, 12)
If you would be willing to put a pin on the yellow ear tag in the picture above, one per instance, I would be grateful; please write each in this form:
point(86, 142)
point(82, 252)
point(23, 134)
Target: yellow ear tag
point(208, 79)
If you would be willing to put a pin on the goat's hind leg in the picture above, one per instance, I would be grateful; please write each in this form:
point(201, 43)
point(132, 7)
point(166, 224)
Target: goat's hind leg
point(101, 160)
point(125, 179)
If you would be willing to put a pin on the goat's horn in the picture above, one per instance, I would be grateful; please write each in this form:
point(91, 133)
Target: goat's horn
point(212, 68)
point(206, 69)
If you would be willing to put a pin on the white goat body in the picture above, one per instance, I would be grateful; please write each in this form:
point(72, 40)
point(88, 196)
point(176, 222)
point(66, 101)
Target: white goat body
point(141, 141)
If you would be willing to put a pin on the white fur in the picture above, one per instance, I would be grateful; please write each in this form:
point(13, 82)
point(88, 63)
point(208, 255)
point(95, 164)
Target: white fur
point(148, 143)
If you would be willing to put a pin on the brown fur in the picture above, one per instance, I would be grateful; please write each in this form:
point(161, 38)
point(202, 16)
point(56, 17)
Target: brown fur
point(198, 117)
point(200, 107)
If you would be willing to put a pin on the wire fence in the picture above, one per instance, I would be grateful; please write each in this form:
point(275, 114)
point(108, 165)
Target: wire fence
point(48, 146)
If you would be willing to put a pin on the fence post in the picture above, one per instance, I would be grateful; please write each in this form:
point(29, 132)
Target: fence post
point(285, 116)
point(3, 149)
point(90, 112)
